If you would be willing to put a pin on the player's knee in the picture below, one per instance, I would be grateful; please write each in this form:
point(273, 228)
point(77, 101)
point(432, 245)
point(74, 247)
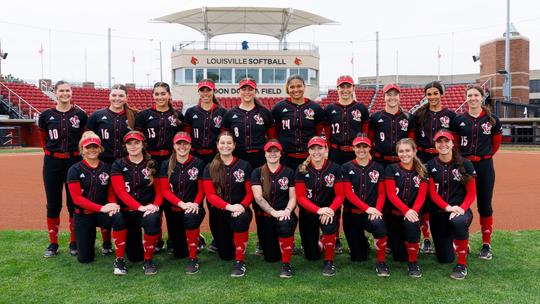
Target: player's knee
point(286, 228)
point(379, 228)
point(151, 223)
point(412, 231)
point(329, 228)
point(118, 221)
point(241, 222)
point(192, 220)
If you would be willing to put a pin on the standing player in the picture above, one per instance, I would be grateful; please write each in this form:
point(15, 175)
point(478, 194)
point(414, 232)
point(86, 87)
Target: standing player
point(297, 120)
point(111, 124)
point(452, 188)
point(91, 190)
point(159, 124)
point(319, 191)
point(61, 129)
point(203, 122)
point(365, 196)
point(429, 119)
point(227, 186)
point(480, 134)
point(273, 189)
point(251, 124)
point(140, 194)
point(406, 187)
point(388, 126)
point(181, 184)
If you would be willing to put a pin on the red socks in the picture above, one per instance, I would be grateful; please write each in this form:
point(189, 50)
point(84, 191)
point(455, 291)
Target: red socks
point(461, 251)
point(71, 230)
point(412, 250)
point(119, 242)
point(192, 237)
point(149, 245)
point(240, 242)
point(53, 224)
point(424, 225)
point(105, 235)
point(380, 248)
point(486, 224)
point(286, 246)
point(329, 244)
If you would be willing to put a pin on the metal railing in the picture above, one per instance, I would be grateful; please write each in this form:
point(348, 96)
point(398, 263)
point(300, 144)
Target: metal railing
point(486, 86)
point(18, 103)
point(252, 46)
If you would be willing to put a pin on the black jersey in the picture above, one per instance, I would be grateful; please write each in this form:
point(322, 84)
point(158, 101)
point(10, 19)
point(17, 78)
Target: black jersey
point(184, 179)
point(95, 182)
point(388, 129)
point(447, 179)
point(63, 129)
point(345, 122)
point(320, 184)
point(136, 179)
point(280, 182)
point(205, 125)
point(158, 127)
point(111, 128)
point(407, 184)
point(236, 175)
point(476, 133)
point(297, 124)
point(432, 123)
point(364, 180)
point(248, 127)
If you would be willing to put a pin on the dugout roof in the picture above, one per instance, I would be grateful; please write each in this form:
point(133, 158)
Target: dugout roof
point(268, 21)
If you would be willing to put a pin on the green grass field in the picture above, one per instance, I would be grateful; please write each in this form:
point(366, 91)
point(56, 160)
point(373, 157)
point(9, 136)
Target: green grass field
point(513, 276)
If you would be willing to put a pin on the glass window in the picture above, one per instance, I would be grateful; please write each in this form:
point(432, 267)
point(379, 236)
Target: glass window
point(213, 74)
point(280, 76)
point(293, 72)
point(239, 74)
point(534, 86)
point(199, 75)
point(313, 77)
point(225, 76)
point(188, 76)
point(253, 73)
point(267, 75)
point(304, 74)
point(178, 76)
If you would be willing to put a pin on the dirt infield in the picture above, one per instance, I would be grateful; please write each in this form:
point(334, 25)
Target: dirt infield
point(515, 201)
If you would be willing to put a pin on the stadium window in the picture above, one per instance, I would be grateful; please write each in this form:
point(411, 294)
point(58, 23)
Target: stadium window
point(188, 76)
point(239, 74)
point(534, 85)
point(178, 76)
point(280, 75)
point(313, 77)
point(213, 74)
point(304, 74)
point(225, 76)
point(254, 74)
point(267, 75)
point(199, 75)
point(293, 72)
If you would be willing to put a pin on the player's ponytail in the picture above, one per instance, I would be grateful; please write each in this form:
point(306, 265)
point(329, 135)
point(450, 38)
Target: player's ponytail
point(417, 163)
point(130, 112)
point(303, 166)
point(172, 163)
point(458, 159)
point(265, 181)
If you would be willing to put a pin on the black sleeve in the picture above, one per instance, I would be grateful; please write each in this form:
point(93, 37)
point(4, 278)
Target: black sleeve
point(41, 120)
point(163, 169)
point(73, 173)
point(267, 117)
point(256, 177)
point(389, 172)
point(226, 123)
point(84, 118)
point(91, 124)
point(116, 168)
point(139, 121)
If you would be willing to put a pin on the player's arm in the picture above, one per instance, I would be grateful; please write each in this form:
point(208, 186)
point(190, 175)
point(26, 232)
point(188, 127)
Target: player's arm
point(119, 186)
point(353, 198)
point(471, 194)
point(381, 195)
point(390, 186)
point(79, 200)
point(158, 200)
point(421, 197)
point(167, 193)
point(260, 200)
point(301, 197)
point(434, 195)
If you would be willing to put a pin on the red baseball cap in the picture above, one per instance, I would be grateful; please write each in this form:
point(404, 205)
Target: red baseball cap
point(317, 141)
point(247, 82)
point(206, 84)
point(445, 134)
point(91, 141)
point(274, 144)
point(345, 79)
point(182, 137)
point(391, 86)
point(135, 135)
point(361, 140)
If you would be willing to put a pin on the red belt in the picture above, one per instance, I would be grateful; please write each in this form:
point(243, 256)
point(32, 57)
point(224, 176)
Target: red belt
point(342, 148)
point(386, 157)
point(204, 151)
point(252, 151)
point(477, 158)
point(298, 155)
point(84, 211)
point(177, 209)
point(354, 210)
point(428, 150)
point(62, 155)
point(262, 213)
point(160, 153)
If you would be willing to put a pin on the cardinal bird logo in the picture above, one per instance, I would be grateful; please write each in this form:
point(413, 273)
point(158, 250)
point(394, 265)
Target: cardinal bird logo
point(416, 180)
point(239, 175)
point(310, 114)
point(104, 178)
point(258, 119)
point(217, 121)
point(172, 120)
point(146, 173)
point(487, 128)
point(457, 175)
point(329, 179)
point(445, 122)
point(75, 122)
point(404, 124)
point(356, 115)
point(193, 173)
point(283, 183)
point(194, 61)
point(374, 176)
point(297, 61)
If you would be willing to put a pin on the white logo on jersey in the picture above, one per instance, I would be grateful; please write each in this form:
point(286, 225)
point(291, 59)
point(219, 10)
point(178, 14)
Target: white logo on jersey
point(404, 124)
point(146, 173)
point(172, 120)
point(104, 178)
point(329, 179)
point(283, 183)
point(487, 128)
point(150, 117)
point(334, 112)
point(82, 175)
point(374, 176)
point(217, 121)
point(380, 120)
point(75, 122)
point(234, 116)
point(52, 118)
point(125, 169)
point(104, 118)
point(397, 174)
point(356, 115)
point(239, 175)
point(351, 172)
point(416, 180)
point(457, 175)
point(462, 124)
point(310, 114)
point(258, 119)
point(307, 175)
point(445, 122)
point(193, 173)
point(285, 110)
point(433, 170)
point(195, 116)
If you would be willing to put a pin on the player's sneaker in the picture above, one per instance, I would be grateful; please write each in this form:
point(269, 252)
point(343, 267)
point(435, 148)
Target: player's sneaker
point(339, 246)
point(106, 248)
point(149, 267)
point(258, 249)
point(192, 266)
point(414, 270)
point(329, 270)
point(202, 243)
point(485, 252)
point(51, 251)
point(382, 270)
point(459, 272)
point(159, 246)
point(73, 249)
point(120, 268)
point(286, 271)
point(426, 247)
point(212, 248)
point(238, 269)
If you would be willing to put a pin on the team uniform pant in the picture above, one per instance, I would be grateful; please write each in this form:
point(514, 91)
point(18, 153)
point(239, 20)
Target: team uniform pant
point(309, 226)
point(54, 179)
point(449, 232)
point(424, 219)
point(354, 225)
point(231, 234)
point(85, 231)
point(272, 233)
point(485, 182)
point(165, 206)
point(340, 157)
point(207, 158)
point(403, 237)
point(186, 232)
point(135, 250)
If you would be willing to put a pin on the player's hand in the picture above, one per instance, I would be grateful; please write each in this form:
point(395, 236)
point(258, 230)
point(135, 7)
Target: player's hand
point(325, 211)
point(236, 208)
point(192, 208)
point(110, 207)
point(412, 216)
point(373, 213)
point(286, 214)
point(325, 219)
point(459, 210)
point(150, 209)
